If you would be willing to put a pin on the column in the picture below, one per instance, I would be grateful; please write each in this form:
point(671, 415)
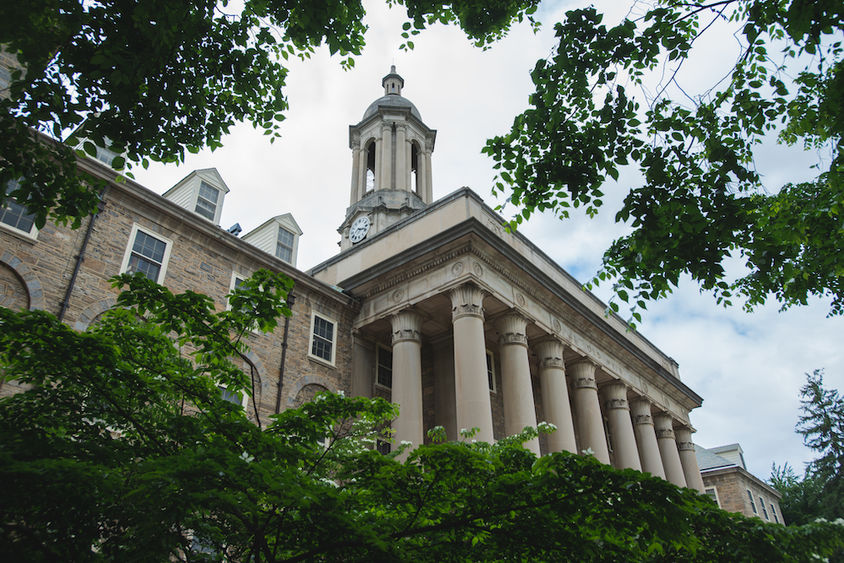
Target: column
point(587, 407)
point(517, 390)
point(407, 377)
point(408, 159)
point(364, 157)
point(429, 184)
point(643, 428)
point(355, 191)
point(421, 177)
point(555, 396)
point(664, 428)
point(471, 388)
point(379, 178)
point(688, 459)
point(621, 427)
point(401, 154)
point(386, 156)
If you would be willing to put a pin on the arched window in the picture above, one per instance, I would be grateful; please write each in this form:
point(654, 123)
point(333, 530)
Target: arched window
point(370, 166)
point(414, 168)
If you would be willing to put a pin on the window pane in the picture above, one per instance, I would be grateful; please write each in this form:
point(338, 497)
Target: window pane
point(208, 193)
point(385, 367)
point(490, 372)
point(147, 255)
point(14, 214)
point(284, 245)
point(323, 339)
point(149, 247)
point(235, 398)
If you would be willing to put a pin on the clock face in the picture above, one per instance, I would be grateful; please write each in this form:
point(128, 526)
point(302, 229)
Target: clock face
point(359, 229)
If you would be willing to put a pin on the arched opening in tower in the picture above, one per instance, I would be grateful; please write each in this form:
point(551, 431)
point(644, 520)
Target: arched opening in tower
point(370, 166)
point(414, 168)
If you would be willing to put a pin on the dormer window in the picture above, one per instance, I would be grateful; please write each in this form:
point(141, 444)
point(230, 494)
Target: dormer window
point(206, 201)
point(202, 192)
point(284, 246)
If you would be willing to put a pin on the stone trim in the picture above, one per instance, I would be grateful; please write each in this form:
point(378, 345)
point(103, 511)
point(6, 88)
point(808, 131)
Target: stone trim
point(92, 311)
point(34, 289)
point(307, 380)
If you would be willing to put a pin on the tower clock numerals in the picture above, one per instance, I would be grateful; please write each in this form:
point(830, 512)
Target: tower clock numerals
point(359, 229)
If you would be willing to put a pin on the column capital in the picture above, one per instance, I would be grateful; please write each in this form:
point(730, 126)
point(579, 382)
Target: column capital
point(467, 301)
point(550, 353)
point(640, 410)
point(406, 326)
point(615, 394)
point(513, 329)
point(684, 439)
point(583, 373)
point(664, 426)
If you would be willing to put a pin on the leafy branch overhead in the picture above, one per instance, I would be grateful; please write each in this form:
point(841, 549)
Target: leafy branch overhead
point(702, 199)
point(152, 79)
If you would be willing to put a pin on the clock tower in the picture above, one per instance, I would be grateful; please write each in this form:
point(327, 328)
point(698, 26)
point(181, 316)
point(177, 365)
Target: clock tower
point(391, 165)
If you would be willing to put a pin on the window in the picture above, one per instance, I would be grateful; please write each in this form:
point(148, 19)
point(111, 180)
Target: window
point(774, 514)
point(238, 399)
point(712, 493)
point(147, 253)
point(382, 446)
point(764, 510)
point(752, 504)
point(490, 370)
point(284, 247)
point(14, 215)
point(322, 338)
point(206, 201)
point(384, 369)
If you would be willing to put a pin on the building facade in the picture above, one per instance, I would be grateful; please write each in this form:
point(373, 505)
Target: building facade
point(729, 483)
point(433, 305)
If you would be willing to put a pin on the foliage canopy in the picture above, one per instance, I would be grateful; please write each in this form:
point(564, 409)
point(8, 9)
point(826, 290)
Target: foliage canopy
point(820, 492)
point(120, 447)
point(702, 198)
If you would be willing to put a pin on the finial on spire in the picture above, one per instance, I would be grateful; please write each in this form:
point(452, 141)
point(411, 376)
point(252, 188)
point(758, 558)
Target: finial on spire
point(392, 83)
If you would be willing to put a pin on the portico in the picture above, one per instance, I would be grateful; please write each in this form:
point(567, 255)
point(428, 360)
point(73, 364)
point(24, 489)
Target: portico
point(481, 330)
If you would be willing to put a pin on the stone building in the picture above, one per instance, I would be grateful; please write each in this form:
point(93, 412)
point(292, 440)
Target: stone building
point(729, 483)
point(431, 304)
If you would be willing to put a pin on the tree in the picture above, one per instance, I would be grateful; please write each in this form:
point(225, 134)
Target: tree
point(702, 199)
point(153, 78)
point(120, 447)
point(820, 493)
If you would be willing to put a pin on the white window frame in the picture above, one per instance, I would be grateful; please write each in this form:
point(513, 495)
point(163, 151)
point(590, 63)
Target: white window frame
point(774, 513)
point(714, 490)
point(31, 234)
point(378, 348)
point(292, 246)
point(333, 342)
point(490, 358)
point(235, 276)
point(168, 246)
point(764, 510)
point(752, 503)
point(244, 397)
point(199, 197)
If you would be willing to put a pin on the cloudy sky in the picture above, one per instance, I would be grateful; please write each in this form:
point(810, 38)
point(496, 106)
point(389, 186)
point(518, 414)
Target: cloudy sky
point(747, 367)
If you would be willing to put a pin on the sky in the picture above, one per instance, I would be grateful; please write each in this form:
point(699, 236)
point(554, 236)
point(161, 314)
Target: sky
point(748, 367)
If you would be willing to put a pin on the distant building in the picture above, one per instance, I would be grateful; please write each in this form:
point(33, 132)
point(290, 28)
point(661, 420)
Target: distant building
point(729, 483)
point(433, 305)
